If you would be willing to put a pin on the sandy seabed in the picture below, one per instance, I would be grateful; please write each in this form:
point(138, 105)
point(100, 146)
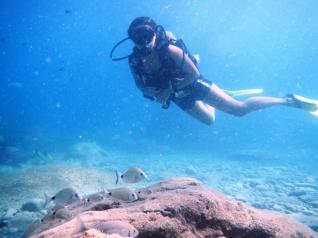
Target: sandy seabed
point(257, 178)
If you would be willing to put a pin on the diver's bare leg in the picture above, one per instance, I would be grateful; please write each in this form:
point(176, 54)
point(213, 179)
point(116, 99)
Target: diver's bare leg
point(220, 100)
point(203, 112)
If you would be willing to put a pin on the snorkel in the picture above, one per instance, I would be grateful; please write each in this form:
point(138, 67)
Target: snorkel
point(142, 32)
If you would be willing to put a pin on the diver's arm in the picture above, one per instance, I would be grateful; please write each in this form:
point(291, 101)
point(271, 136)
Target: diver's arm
point(152, 93)
point(189, 69)
point(148, 92)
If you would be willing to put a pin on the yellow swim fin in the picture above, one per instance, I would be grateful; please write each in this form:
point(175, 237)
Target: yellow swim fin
point(236, 93)
point(305, 104)
point(315, 113)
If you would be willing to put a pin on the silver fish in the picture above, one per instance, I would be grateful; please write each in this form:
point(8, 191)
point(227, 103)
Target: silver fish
point(65, 196)
point(123, 193)
point(95, 197)
point(34, 205)
point(131, 175)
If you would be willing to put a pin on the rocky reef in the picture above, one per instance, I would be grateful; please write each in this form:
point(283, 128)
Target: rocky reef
point(180, 207)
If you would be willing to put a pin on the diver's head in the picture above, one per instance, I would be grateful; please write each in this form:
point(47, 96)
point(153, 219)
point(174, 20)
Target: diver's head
point(142, 31)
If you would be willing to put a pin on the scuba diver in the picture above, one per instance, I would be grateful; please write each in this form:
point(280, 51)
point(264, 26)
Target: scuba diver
point(165, 71)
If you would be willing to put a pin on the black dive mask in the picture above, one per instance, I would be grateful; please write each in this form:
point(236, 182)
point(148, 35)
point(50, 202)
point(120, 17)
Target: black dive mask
point(141, 36)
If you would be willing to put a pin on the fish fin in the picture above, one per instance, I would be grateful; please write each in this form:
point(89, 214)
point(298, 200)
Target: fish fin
point(117, 176)
point(49, 157)
point(47, 199)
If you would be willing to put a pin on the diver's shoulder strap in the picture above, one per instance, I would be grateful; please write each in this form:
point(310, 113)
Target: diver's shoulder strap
point(163, 47)
point(171, 39)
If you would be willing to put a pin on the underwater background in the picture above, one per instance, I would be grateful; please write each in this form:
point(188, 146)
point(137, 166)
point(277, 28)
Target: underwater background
point(69, 116)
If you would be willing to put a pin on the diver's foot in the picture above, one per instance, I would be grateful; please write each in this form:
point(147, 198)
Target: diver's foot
point(303, 103)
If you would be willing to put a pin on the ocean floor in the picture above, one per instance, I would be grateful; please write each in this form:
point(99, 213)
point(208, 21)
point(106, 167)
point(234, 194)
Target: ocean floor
point(274, 181)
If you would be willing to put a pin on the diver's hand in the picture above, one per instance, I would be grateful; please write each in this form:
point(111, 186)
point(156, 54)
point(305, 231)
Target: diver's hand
point(163, 96)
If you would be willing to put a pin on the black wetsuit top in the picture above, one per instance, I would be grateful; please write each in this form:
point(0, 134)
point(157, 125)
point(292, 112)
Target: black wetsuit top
point(186, 97)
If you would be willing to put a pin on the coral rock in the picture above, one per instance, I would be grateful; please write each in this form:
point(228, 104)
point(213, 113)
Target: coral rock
point(178, 208)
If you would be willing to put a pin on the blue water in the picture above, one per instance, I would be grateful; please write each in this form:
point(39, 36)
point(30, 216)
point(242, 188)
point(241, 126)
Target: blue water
point(59, 87)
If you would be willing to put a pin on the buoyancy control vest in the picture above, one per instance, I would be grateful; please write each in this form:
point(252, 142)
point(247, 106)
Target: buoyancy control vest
point(168, 68)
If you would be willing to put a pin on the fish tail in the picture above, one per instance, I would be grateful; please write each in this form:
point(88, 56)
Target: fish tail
point(47, 199)
point(117, 176)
